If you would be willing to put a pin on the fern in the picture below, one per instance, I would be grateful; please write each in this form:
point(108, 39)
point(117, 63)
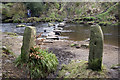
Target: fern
point(40, 62)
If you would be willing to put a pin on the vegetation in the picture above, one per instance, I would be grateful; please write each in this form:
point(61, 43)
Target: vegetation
point(57, 11)
point(14, 11)
point(36, 7)
point(40, 62)
point(79, 69)
point(105, 14)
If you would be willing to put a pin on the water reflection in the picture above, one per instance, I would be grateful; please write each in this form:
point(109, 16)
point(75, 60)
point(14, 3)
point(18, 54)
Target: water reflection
point(82, 32)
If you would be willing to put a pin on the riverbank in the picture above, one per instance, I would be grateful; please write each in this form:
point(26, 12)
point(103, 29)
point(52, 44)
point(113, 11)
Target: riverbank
point(82, 12)
point(83, 20)
point(61, 48)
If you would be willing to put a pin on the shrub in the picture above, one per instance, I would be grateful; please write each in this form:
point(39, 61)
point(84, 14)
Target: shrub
point(40, 62)
point(57, 5)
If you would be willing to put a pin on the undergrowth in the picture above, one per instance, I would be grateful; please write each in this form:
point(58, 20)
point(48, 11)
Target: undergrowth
point(80, 69)
point(40, 62)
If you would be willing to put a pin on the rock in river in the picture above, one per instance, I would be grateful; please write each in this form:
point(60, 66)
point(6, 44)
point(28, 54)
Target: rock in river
point(20, 25)
point(50, 24)
point(62, 24)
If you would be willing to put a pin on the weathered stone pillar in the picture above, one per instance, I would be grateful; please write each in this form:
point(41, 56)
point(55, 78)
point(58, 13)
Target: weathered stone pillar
point(96, 48)
point(28, 42)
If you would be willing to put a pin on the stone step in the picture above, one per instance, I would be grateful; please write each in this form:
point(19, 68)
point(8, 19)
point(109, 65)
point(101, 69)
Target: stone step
point(53, 37)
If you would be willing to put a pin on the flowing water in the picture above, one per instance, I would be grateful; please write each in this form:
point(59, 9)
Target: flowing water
point(76, 32)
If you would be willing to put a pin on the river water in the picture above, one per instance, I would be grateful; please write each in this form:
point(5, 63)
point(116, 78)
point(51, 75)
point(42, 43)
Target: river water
point(82, 32)
point(75, 32)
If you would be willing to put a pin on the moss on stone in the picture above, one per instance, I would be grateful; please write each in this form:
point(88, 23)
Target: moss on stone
point(8, 21)
point(102, 23)
point(95, 64)
point(20, 25)
point(90, 22)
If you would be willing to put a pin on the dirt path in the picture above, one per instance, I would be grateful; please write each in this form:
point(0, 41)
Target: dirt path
point(110, 54)
point(65, 53)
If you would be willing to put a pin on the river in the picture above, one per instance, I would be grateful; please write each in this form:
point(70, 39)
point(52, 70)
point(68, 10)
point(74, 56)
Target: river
point(75, 32)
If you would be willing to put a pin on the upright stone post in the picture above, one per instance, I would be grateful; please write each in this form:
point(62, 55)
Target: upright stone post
point(28, 42)
point(96, 48)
